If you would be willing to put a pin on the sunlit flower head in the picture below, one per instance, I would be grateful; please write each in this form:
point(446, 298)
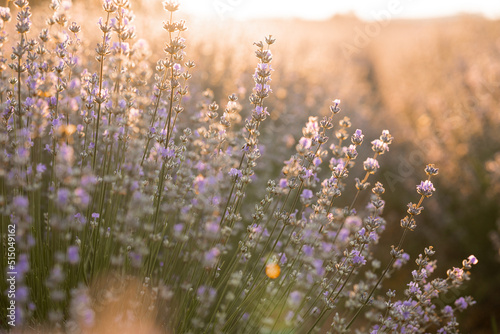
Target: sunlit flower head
point(472, 259)
point(171, 5)
point(426, 188)
point(371, 165)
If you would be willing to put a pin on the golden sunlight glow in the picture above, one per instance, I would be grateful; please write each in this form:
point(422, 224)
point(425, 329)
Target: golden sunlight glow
point(320, 9)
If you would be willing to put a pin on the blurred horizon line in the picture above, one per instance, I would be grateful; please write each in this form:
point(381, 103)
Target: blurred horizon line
point(345, 16)
point(318, 10)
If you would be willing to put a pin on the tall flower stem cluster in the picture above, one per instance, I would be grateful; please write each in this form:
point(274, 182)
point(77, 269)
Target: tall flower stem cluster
point(133, 210)
point(425, 189)
point(243, 173)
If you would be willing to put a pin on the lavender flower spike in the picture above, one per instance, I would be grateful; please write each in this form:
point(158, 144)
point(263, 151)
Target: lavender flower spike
point(426, 188)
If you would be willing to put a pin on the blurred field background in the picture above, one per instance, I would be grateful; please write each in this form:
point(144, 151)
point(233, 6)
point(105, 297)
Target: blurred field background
point(434, 83)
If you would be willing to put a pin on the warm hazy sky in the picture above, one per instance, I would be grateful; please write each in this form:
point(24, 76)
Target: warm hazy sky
point(321, 9)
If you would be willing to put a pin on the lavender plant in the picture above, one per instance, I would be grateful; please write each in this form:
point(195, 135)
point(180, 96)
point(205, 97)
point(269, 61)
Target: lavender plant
point(132, 212)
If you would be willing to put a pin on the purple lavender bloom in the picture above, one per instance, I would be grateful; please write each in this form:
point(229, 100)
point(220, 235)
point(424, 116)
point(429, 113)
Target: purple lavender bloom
point(461, 303)
point(283, 183)
point(305, 142)
point(125, 47)
point(20, 203)
point(215, 200)
point(405, 309)
point(29, 102)
point(234, 172)
point(22, 266)
point(19, 316)
point(308, 173)
point(87, 181)
point(177, 67)
point(40, 168)
point(425, 188)
point(95, 215)
point(308, 250)
point(357, 258)
point(373, 236)
point(353, 221)
point(22, 294)
point(63, 196)
point(307, 194)
point(283, 258)
point(413, 288)
point(351, 152)
point(200, 183)
point(80, 218)
point(339, 171)
point(379, 146)
point(357, 137)
point(52, 103)
point(371, 165)
point(73, 254)
point(472, 259)
point(386, 137)
point(423, 273)
point(57, 274)
point(178, 228)
point(82, 197)
point(326, 247)
point(185, 209)
point(429, 268)
point(447, 311)
point(5, 14)
point(318, 265)
point(259, 111)
point(67, 153)
point(402, 260)
point(201, 166)
point(256, 229)
point(312, 127)
point(211, 256)
point(212, 227)
point(456, 273)
point(167, 152)
point(415, 274)
point(295, 298)
point(88, 317)
point(264, 67)
point(74, 84)
point(343, 234)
